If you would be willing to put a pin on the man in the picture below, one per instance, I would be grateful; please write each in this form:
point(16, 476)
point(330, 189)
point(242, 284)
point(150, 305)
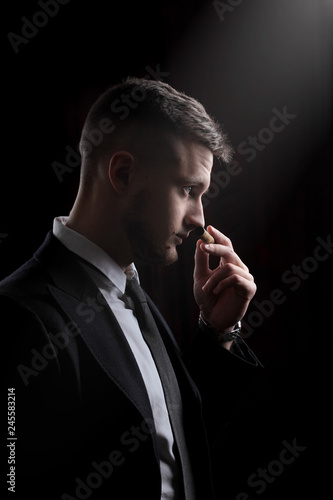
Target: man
point(105, 406)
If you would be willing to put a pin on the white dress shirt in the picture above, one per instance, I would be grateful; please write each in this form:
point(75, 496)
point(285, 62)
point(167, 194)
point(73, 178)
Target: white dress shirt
point(112, 284)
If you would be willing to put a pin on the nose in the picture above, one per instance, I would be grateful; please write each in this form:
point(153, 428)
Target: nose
point(195, 216)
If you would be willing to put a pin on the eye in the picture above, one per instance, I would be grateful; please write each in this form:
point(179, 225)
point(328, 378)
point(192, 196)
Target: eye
point(187, 189)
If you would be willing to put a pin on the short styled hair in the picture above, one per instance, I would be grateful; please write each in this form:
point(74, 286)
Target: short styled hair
point(149, 103)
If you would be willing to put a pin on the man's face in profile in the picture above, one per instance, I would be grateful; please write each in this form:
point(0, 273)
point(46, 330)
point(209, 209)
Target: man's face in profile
point(169, 204)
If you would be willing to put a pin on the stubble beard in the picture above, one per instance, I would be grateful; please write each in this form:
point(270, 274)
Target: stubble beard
point(146, 249)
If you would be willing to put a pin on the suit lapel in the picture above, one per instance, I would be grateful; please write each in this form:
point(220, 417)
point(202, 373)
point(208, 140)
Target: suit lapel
point(74, 290)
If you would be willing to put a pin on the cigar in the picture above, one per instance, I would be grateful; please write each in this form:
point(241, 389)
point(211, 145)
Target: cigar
point(204, 235)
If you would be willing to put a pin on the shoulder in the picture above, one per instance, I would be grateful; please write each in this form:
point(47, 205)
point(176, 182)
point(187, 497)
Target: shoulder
point(29, 276)
point(25, 299)
point(51, 264)
point(25, 278)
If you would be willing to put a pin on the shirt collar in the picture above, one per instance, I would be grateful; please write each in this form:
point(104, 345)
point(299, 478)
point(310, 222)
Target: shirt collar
point(87, 250)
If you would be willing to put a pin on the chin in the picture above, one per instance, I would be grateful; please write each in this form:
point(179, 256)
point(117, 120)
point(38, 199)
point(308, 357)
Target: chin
point(164, 256)
point(170, 257)
point(151, 254)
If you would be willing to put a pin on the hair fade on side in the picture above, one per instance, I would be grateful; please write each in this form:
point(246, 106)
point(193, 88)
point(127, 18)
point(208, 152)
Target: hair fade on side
point(151, 103)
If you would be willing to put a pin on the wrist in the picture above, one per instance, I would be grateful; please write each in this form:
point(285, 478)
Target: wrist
point(220, 336)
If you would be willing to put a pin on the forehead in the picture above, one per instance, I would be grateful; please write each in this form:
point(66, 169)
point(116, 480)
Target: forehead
point(188, 159)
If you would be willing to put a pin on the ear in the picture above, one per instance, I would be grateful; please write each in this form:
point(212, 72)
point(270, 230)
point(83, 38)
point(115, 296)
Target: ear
point(120, 171)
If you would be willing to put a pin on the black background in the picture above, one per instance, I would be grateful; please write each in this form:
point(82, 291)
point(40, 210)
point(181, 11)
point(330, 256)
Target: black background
point(261, 56)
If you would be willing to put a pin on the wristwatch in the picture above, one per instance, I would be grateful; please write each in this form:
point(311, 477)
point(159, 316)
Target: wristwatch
point(220, 336)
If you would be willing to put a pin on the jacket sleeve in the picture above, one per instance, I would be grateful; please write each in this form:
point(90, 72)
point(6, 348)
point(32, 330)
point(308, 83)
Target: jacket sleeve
point(223, 378)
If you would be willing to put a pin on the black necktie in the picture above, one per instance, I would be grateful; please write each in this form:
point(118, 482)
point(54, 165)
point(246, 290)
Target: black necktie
point(168, 378)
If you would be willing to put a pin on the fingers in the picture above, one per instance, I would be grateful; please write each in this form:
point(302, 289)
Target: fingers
point(226, 276)
point(226, 254)
point(222, 248)
point(243, 287)
point(223, 293)
point(219, 237)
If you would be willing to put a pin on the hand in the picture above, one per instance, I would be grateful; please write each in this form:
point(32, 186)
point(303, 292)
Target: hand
point(222, 294)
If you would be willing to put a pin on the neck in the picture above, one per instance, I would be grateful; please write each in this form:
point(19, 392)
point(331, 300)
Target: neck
point(90, 220)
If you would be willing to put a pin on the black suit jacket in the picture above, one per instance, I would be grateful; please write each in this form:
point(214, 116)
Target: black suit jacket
point(83, 420)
